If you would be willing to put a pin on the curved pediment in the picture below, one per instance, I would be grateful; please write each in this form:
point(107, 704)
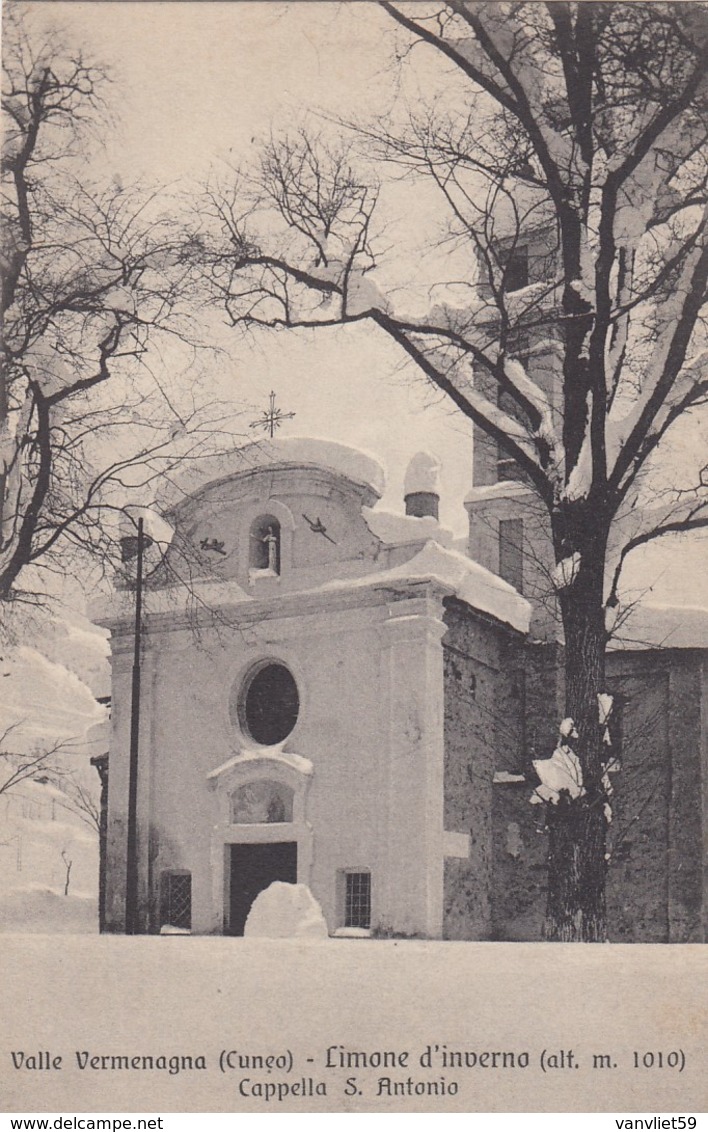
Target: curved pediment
point(267, 762)
point(261, 787)
point(361, 471)
point(288, 508)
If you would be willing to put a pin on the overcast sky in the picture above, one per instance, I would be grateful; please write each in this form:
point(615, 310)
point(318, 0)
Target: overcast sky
point(199, 83)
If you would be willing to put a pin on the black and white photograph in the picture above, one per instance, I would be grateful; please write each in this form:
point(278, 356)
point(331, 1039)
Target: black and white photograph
point(353, 586)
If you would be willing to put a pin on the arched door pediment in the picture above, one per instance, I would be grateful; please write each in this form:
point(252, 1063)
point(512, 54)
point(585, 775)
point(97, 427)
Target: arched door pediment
point(287, 771)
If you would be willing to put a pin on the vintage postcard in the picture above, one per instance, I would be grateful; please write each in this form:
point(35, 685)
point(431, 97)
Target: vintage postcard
point(353, 600)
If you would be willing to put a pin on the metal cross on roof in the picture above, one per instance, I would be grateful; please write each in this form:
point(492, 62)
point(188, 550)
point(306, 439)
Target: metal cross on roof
point(272, 417)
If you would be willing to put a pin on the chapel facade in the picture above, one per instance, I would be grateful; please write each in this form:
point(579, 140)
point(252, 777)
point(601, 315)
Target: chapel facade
point(345, 698)
point(301, 736)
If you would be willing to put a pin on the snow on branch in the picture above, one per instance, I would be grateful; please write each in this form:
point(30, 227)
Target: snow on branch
point(580, 479)
point(566, 572)
point(561, 773)
point(675, 320)
point(683, 511)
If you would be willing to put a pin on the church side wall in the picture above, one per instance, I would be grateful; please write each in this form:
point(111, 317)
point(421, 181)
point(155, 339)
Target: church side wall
point(686, 832)
point(520, 846)
point(482, 727)
point(638, 839)
point(520, 864)
point(656, 869)
point(655, 882)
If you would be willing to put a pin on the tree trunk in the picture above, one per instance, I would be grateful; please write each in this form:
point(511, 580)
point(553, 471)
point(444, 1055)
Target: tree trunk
point(577, 867)
point(575, 907)
point(67, 865)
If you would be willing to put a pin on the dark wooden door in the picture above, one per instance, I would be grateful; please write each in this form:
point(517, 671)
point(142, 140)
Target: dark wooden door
point(253, 868)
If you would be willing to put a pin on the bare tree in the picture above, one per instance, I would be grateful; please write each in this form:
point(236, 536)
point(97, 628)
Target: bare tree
point(68, 862)
point(79, 799)
point(41, 764)
point(93, 289)
point(570, 161)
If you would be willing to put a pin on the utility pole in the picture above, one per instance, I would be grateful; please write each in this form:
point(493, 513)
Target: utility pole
point(131, 887)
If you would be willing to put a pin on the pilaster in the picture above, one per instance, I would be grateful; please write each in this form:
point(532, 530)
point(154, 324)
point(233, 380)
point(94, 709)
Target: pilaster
point(411, 900)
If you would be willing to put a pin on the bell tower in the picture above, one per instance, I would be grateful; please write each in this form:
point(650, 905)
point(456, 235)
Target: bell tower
point(509, 530)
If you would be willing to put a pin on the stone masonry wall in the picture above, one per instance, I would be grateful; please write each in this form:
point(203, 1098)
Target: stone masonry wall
point(687, 842)
point(656, 870)
point(637, 879)
point(482, 719)
point(520, 843)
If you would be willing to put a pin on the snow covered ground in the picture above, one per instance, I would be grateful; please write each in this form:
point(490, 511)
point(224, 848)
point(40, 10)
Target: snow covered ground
point(311, 1004)
point(39, 839)
point(46, 910)
point(48, 706)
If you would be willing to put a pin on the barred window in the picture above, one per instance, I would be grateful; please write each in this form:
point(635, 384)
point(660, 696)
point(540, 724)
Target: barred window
point(357, 900)
point(176, 900)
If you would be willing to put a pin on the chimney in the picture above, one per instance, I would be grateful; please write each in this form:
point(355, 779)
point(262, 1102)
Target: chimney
point(421, 489)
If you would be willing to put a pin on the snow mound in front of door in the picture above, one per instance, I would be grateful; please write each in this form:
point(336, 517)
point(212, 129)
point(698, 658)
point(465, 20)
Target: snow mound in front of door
point(286, 911)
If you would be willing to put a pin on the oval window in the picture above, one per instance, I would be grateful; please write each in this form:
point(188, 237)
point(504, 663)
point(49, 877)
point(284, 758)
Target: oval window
point(270, 704)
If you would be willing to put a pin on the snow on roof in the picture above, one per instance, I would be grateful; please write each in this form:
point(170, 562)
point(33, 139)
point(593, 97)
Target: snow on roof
point(469, 581)
point(82, 648)
point(351, 463)
point(43, 702)
point(422, 474)
point(654, 625)
point(500, 490)
point(272, 754)
point(396, 530)
point(154, 525)
point(204, 594)
point(526, 200)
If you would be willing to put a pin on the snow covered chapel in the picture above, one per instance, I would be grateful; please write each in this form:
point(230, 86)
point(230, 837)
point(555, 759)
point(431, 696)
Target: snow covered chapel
point(346, 698)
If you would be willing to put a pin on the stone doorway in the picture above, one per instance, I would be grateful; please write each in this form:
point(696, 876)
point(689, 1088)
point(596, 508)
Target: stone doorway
point(253, 868)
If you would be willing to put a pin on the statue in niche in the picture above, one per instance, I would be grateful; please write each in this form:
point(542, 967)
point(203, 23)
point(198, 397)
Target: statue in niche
point(271, 542)
point(265, 545)
point(276, 809)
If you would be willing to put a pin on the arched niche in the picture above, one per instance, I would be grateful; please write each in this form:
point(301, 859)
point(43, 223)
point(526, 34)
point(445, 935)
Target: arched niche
point(262, 771)
point(261, 559)
point(264, 541)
